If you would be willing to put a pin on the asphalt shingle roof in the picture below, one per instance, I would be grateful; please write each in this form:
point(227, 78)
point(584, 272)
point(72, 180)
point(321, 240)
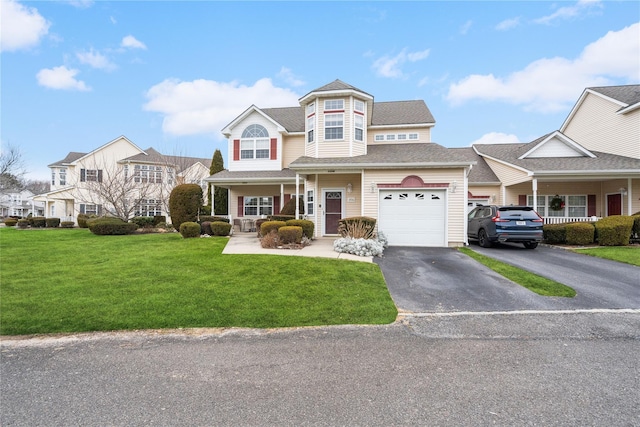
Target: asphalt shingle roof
point(481, 172)
point(629, 94)
point(71, 157)
point(154, 156)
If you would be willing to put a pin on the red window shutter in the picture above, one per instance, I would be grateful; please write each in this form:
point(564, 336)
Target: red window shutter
point(591, 205)
point(522, 200)
point(240, 206)
point(236, 149)
point(287, 197)
point(276, 205)
point(274, 148)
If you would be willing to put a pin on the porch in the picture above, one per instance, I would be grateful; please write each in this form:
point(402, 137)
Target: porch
point(565, 220)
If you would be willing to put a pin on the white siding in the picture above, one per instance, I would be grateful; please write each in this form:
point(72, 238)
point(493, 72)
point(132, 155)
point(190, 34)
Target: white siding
point(555, 148)
point(507, 174)
point(254, 164)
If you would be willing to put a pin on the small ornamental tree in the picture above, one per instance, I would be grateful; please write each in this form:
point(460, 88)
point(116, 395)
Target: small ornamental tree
point(184, 204)
point(289, 208)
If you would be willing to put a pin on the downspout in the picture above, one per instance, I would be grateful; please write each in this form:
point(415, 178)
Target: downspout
point(465, 203)
point(535, 194)
point(629, 196)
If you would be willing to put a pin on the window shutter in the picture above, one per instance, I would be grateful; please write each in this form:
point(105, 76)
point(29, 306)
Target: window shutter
point(82, 207)
point(274, 148)
point(522, 200)
point(591, 205)
point(240, 206)
point(99, 210)
point(276, 205)
point(287, 197)
point(236, 149)
point(83, 176)
point(100, 175)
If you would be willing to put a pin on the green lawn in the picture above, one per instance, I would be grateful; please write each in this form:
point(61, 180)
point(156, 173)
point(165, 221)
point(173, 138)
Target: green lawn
point(626, 254)
point(538, 284)
point(69, 280)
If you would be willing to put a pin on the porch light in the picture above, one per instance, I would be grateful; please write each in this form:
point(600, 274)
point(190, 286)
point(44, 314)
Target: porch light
point(453, 186)
point(623, 191)
point(373, 187)
point(349, 188)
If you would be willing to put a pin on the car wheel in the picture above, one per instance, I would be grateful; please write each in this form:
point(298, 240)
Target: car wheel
point(530, 245)
point(483, 240)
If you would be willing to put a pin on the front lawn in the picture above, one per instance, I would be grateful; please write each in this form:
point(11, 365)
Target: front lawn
point(626, 254)
point(70, 280)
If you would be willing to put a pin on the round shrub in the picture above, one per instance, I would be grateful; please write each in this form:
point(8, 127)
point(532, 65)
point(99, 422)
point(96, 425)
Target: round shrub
point(289, 234)
point(259, 223)
point(143, 221)
point(268, 226)
point(83, 218)
point(38, 222)
point(53, 222)
point(110, 226)
point(580, 233)
point(158, 219)
point(614, 230)
point(307, 226)
point(184, 204)
point(205, 228)
point(554, 233)
point(10, 222)
point(23, 223)
point(220, 228)
point(212, 218)
point(67, 224)
point(636, 225)
point(190, 229)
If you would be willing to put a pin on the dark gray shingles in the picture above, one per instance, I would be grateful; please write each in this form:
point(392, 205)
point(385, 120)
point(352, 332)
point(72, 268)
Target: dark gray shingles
point(337, 85)
point(226, 175)
point(401, 112)
point(155, 157)
point(71, 157)
point(481, 172)
point(291, 118)
point(629, 94)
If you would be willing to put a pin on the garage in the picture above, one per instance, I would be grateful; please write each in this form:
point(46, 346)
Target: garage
point(413, 217)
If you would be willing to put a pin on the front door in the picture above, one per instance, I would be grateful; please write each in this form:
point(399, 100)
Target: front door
point(614, 204)
point(332, 211)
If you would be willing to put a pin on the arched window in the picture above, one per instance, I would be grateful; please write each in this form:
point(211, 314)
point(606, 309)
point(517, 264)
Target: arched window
point(254, 143)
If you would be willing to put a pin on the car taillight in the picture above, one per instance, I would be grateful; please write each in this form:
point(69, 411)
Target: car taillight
point(497, 218)
point(539, 218)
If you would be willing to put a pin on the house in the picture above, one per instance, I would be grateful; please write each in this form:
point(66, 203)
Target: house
point(118, 179)
point(346, 155)
point(19, 203)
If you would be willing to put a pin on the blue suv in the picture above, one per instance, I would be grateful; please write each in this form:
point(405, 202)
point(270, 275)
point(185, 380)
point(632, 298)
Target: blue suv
point(518, 224)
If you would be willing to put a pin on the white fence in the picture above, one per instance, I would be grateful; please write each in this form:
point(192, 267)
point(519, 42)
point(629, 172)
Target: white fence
point(564, 220)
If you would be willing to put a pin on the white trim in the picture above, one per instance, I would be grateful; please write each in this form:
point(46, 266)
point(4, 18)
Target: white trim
point(226, 131)
point(503, 162)
point(564, 139)
point(606, 202)
point(343, 192)
point(578, 104)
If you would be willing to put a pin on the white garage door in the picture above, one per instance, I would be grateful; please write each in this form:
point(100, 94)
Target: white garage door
point(413, 217)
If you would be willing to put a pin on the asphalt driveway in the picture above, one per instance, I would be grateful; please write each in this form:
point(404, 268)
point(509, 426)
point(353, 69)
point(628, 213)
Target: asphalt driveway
point(435, 280)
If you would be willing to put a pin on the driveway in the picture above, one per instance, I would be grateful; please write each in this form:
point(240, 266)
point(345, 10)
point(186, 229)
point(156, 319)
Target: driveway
point(433, 280)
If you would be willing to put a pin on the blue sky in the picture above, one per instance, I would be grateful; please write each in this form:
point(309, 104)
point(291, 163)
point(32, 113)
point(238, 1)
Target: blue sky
point(171, 75)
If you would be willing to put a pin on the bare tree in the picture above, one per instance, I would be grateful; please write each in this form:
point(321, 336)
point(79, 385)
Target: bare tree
point(37, 186)
point(11, 168)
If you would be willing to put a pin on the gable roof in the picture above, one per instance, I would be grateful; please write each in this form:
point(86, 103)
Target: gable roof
point(569, 147)
point(626, 97)
point(152, 156)
point(401, 113)
point(336, 87)
point(71, 157)
point(481, 173)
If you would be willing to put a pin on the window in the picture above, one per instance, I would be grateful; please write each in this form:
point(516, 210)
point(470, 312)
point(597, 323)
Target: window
point(391, 137)
point(574, 206)
point(334, 104)
point(413, 136)
point(358, 106)
point(402, 136)
point(577, 206)
point(311, 124)
point(359, 127)
point(90, 209)
point(333, 126)
point(89, 175)
point(148, 207)
point(254, 143)
point(146, 174)
point(258, 206)
point(379, 137)
point(170, 176)
point(63, 176)
point(311, 108)
point(53, 177)
point(310, 202)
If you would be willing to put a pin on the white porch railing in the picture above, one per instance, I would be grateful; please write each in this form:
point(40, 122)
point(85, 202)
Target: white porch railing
point(564, 220)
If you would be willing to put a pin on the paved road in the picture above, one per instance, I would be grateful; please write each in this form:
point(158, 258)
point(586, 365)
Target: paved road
point(499, 370)
point(444, 280)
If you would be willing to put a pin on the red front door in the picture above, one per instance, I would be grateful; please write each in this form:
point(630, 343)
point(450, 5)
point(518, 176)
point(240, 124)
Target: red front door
point(332, 211)
point(614, 204)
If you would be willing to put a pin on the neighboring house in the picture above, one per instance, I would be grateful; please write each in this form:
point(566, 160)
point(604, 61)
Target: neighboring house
point(346, 155)
point(118, 179)
point(19, 203)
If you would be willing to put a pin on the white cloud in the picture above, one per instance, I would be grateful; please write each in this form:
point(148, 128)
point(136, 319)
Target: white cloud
point(497, 138)
point(22, 27)
point(81, 4)
point(131, 42)
point(552, 84)
point(569, 12)
point(61, 78)
point(508, 24)
point(387, 66)
point(464, 29)
point(287, 75)
point(206, 106)
point(95, 60)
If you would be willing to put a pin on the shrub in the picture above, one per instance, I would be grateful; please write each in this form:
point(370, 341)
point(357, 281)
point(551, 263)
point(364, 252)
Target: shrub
point(357, 227)
point(184, 203)
point(23, 223)
point(307, 226)
point(67, 224)
point(289, 208)
point(554, 233)
point(614, 230)
point(38, 222)
point(190, 229)
point(290, 234)
point(220, 228)
point(110, 226)
point(83, 218)
point(284, 218)
point(268, 226)
point(53, 222)
point(10, 222)
point(270, 240)
point(212, 218)
point(360, 247)
point(259, 223)
point(580, 233)
point(143, 221)
point(205, 228)
point(636, 225)
point(159, 219)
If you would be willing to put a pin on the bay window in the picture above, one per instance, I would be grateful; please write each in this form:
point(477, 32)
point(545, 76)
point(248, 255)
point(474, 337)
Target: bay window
point(333, 126)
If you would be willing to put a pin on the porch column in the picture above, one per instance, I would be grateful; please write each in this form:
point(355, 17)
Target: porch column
point(629, 196)
point(281, 196)
point(297, 196)
point(535, 194)
point(212, 191)
point(503, 194)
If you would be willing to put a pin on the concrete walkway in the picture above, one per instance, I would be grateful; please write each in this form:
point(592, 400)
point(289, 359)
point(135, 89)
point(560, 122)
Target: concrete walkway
point(248, 243)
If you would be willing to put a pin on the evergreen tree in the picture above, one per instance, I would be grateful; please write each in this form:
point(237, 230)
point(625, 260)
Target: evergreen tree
point(220, 195)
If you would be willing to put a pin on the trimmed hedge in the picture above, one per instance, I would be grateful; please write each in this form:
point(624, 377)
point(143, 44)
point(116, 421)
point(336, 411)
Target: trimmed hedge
point(636, 225)
point(23, 223)
point(614, 230)
point(357, 227)
point(284, 218)
point(53, 222)
point(190, 229)
point(159, 219)
point(205, 228)
point(268, 226)
point(554, 233)
point(10, 222)
point(110, 226)
point(580, 233)
point(67, 224)
point(213, 218)
point(143, 221)
point(184, 204)
point(220, 228)
point(307, 226)
point(38, 222)
point(83, 220)
point(289, 234)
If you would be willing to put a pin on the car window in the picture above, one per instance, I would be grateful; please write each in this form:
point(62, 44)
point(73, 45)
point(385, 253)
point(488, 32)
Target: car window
point(520, 214)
